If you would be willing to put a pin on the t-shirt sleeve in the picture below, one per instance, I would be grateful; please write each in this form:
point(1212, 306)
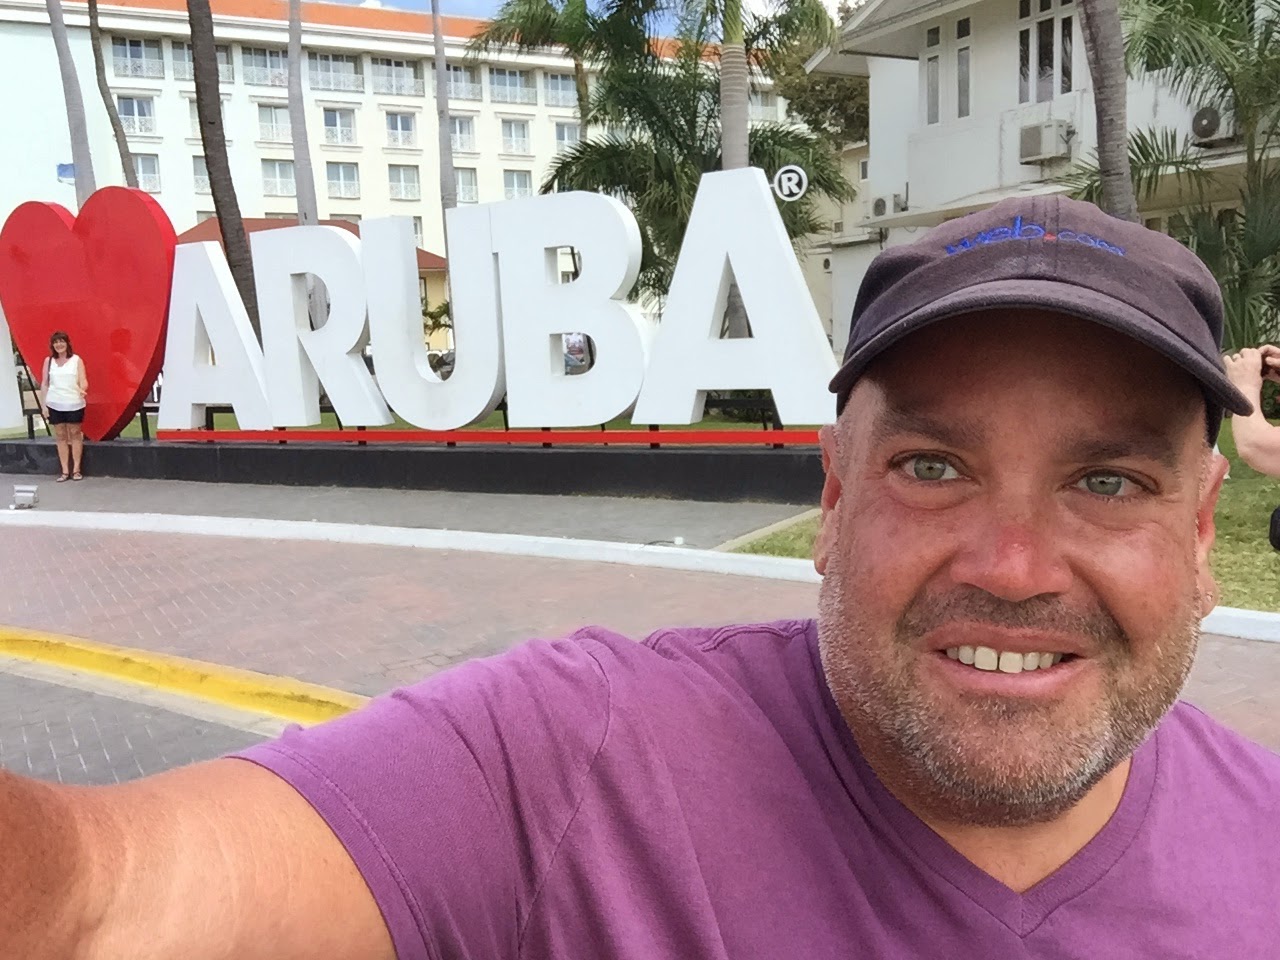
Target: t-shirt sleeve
point(452, 795)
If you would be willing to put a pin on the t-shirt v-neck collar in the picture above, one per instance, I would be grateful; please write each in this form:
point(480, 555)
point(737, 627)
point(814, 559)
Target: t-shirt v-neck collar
point(1021, 913)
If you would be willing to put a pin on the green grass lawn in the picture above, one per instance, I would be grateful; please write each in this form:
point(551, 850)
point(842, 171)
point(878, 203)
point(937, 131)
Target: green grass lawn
point(1247, 567)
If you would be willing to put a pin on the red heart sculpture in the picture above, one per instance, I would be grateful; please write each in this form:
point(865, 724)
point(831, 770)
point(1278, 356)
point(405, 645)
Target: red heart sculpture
point(104, 278)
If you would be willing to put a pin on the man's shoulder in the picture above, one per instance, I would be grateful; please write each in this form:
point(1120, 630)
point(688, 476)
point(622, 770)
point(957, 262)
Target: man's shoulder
point(1219, 758)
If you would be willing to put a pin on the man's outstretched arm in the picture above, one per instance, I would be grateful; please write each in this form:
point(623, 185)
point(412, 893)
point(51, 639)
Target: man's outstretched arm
point(217, 860)
point(1257, 441)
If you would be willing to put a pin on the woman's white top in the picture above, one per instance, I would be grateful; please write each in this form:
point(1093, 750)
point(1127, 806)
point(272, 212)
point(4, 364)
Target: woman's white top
point(64, 386)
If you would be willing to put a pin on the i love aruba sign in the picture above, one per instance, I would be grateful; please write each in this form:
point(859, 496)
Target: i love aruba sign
point(134, 302)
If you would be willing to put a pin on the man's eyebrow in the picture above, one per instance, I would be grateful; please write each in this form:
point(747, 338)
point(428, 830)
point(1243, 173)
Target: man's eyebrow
point(894, 421)
point(1146, 444)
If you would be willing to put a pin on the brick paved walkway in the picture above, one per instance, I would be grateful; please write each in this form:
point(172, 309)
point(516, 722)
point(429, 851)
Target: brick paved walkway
point(367, 619)
point(74, 736)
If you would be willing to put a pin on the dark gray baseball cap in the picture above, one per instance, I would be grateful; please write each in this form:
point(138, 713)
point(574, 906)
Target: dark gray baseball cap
point(1048, 253)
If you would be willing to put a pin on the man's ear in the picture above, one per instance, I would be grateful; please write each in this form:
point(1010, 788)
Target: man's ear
point(831, 490)
point(1215, 472)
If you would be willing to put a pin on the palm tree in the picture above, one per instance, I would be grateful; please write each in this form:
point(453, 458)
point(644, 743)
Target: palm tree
point(303, 175)
point(667, 134)
point(108, 99)
point(1104, 49)
point(204, 62)
point(80, 156)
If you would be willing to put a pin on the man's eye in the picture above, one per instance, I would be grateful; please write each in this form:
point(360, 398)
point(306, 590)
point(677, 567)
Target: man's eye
point(929, 468)
point(1106, 484)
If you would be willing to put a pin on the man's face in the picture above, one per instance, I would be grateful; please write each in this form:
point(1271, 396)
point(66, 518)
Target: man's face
point(1004, 485)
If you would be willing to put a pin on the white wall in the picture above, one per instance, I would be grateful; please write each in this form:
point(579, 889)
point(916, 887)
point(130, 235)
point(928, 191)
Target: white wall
point(893, 117)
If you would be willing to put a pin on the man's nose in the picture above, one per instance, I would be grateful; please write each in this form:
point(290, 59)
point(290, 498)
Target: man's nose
point(1014, 552)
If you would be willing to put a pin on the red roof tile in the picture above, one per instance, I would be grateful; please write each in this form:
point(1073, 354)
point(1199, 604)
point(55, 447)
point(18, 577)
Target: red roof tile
point(211, 229)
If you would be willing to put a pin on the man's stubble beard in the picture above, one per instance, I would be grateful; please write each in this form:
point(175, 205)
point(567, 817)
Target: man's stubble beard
point(926, 758)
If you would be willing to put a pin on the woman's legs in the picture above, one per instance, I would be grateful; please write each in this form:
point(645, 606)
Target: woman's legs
point(63, 440)
point(77, 446)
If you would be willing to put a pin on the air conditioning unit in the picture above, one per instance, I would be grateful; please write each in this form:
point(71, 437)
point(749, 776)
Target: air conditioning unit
point(879, 206)
point(1039, 142)
point(899, 203)
point(1210, 127)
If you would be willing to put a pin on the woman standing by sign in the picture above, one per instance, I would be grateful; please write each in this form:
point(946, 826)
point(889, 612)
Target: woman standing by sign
point(63, 389)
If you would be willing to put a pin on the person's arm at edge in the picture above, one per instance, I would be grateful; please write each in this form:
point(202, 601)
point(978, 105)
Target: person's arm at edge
point(82, 379)
point(44, 389)
point(217, 860)
point(1257, 441)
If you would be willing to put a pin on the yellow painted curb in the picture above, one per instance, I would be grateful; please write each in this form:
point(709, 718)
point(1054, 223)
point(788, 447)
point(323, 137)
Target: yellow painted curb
point(260, 693)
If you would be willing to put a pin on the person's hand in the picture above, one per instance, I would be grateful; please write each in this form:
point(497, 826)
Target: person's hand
point(44, 412)
point(1244, 370)
point(1270, 362)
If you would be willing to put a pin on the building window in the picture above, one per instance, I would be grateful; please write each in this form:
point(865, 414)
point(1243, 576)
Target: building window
point(468, 188)
point(182, 69)
point(1045, 52)
point(339, 126)
point(417, 231)
point(147, 167)
point(515, 137)
point(962, 28)
point(762, 105)
point(265, 68)
point(932, 90)
point(567, 135)
point(344, 180)
point(277, 178)
point(511, 86)
point(864, 170)
point(517, 183)
point(463, 83)
point(962, 82)
point(200, 174)
point(137, 114)
point(137, 58)
point(397, 76)
point(462, 134)
point(403, 181)
point(334, 71)
point(401, 131)
point(273, 123)
point(561, 91)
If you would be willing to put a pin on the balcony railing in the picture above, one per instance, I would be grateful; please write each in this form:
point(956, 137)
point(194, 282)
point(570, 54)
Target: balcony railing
point(561, 98)
point(402, 138)
point(463, 90)
point(275, 132)
point(562, 146)
point(137, 125)
point(517, 145)
point(468, 193)
point(139, 67)
point(462, 142)
point(343, 189)
point(347, 82)
point(342, 135)
point(202, 183)
point(182, 70)
point(267, 76)
point(279, 187)
point(503, 93)
point(406, 191)
point(410, 86)
point(150, 182)
point(515, 193)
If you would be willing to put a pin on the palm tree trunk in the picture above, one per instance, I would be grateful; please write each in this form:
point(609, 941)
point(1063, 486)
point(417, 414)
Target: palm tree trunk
point(1104, 49)
point(448, 179)
point(108, 100)
point(583, 90)
point(76, 122)
point(204, 63)
point(303, 175)
point(734, 133)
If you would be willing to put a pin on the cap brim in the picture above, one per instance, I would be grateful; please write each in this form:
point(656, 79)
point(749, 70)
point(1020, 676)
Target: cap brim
point(1059, 297)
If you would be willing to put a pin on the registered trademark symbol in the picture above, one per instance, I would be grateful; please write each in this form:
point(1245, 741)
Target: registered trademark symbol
point(790, 182)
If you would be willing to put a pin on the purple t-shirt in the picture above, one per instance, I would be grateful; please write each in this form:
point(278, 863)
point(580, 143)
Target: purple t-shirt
point(698, 796)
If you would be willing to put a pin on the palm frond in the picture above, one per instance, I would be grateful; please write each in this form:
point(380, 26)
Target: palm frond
point(1154, 155)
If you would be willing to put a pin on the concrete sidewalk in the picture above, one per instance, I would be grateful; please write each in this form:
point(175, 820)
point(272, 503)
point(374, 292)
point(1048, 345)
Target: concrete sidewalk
point(620, 519)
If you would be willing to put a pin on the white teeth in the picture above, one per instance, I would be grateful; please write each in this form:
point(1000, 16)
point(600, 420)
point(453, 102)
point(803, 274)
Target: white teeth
point(984, 658)
point(1049, 659)
point(1031, 661)
point(1010, 662)
point(953, 653)
point(965, 655)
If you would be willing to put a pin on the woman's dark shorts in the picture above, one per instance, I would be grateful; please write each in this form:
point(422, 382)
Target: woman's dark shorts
point(66, 416)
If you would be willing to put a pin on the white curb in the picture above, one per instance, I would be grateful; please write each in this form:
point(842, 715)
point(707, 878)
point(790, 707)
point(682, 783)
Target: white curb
point(1223, 621)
